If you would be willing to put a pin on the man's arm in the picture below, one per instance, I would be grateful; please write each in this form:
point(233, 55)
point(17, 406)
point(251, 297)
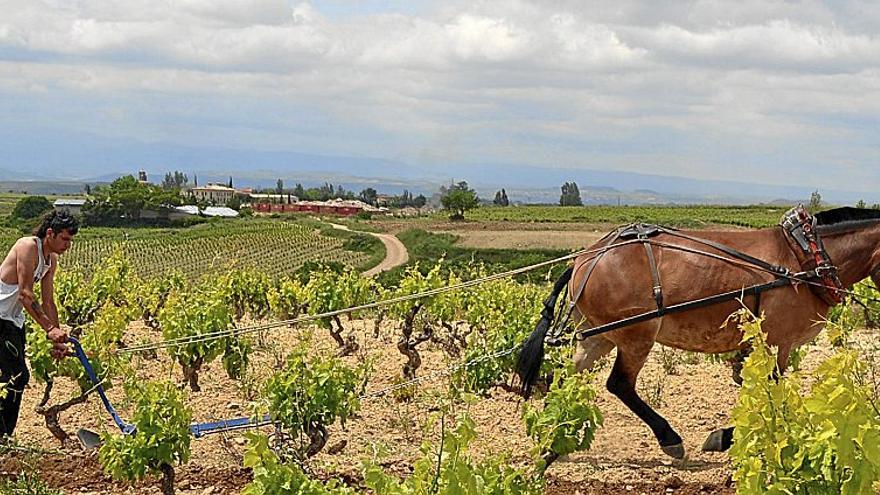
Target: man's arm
point(26, 263)
point(47, 293)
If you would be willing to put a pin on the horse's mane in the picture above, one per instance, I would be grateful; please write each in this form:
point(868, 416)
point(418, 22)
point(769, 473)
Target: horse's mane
point(845, 218)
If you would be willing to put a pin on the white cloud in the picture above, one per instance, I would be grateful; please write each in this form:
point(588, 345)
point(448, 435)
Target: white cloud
point(554, 83)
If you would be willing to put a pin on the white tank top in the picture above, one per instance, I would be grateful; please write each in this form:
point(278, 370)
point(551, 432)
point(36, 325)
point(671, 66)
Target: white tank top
point(10, 308)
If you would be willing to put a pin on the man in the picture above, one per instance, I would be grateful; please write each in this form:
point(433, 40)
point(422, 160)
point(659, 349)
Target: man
point(31, 259)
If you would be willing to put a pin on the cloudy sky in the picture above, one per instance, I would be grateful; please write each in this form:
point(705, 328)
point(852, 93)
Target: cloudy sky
point(775, 92)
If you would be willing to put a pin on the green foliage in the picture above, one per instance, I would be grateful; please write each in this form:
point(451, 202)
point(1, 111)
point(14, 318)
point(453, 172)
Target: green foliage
point(448, 469)
point(426, 249)
point(328, 290)
point(313, 391)
point(246, 292)
point(99, 309)
point(500, 314)
point(458, 199)
point(571, 195)
point(26, 483)
point(273, 477)
point(286, 299)
point(827, 442)
point(569, 419)
point(79, 297)
point(501, 198)
point(208, 249)
point(190, 315)
point(30, 207)
point(757, 216)
point(126, 198)
point(815, 202)
point(162, 419)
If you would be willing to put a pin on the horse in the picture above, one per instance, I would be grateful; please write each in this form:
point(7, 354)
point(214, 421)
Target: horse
point(660, 268)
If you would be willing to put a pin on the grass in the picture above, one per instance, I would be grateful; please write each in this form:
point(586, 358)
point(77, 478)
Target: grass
point(694, 217)
point(426, 249)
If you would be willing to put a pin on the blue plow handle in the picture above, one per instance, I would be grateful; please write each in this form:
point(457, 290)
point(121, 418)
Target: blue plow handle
point(126, 428)
point(199, 430)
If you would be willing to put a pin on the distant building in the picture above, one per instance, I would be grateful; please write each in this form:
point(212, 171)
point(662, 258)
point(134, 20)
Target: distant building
point(213, 193)
point(272, 198)
point(331, 207)
point(72, 206)
point(384, 200)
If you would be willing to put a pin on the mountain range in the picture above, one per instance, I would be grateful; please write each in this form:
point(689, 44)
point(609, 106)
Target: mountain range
point(77, 157)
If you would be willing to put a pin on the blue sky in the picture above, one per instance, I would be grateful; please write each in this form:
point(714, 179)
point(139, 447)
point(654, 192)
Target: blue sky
point(772, 92)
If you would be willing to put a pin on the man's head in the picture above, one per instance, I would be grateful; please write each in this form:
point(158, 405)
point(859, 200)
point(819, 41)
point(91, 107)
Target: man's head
point(57, 229)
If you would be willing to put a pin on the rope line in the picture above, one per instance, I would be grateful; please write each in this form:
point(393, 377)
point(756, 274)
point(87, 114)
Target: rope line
point(181, 341)
point(232, 332)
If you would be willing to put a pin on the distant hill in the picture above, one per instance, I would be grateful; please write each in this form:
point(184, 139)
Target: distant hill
point(43, 187)
point(73, 156)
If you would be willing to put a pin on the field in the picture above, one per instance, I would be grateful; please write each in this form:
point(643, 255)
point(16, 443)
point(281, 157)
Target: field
point(8, 200)
point(272, 247)
point(236, 274)
point(674, 216)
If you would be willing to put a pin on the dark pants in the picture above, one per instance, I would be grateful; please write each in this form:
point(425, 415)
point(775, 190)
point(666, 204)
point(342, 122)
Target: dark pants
point(13, 374)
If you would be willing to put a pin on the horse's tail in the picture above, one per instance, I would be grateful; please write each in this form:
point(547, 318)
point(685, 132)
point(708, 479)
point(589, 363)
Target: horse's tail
point(528, 364)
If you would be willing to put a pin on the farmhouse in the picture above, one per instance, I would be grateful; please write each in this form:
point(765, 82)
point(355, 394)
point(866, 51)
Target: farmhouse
point(213, 193)
point(72, 206)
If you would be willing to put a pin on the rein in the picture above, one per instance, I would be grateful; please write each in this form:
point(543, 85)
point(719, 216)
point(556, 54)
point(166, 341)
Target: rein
point(797, 223)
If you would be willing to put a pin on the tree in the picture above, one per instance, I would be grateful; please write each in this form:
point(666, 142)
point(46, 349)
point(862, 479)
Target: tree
point(234, 202)
point(299, 191)
point(501, 198)
point(279, 187)
point(88, 190)
point(31, 207)
point(571, 195)
point(458, 199)
point(861, 204)
point(815, 201)
point(125, 198)
point(230, 182)
point(369, 196)
point(177, 179)
point(420, 201)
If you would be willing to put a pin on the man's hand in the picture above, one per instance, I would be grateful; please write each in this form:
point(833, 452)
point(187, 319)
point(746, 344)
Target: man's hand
point(59, 342)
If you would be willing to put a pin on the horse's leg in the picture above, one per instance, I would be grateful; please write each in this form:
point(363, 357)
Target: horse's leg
point(622, 383)
point(721, 439)
point(589, 350)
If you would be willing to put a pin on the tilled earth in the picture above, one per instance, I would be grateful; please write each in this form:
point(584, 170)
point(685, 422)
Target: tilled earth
point(695, 397)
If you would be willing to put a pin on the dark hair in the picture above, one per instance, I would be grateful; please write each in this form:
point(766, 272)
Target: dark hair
point(57, 221)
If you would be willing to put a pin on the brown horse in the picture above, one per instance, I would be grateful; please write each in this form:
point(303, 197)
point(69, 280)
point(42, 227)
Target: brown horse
point(620, 282)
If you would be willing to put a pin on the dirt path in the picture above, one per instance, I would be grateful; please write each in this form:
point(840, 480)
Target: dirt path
point(395, 252)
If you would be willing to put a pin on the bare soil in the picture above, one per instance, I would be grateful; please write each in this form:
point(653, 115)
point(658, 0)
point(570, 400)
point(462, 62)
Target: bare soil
point(525, 239)
point(624, 458)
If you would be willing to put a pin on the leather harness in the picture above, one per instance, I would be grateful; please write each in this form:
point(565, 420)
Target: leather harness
point(800, 227)
point(796, 223)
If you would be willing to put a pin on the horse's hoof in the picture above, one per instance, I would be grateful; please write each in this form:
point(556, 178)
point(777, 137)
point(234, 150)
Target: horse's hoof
point(718, 441)
point(675, 451)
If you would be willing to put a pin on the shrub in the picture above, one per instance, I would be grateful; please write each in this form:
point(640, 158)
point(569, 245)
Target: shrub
point(825, 442)
point(162, 439)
